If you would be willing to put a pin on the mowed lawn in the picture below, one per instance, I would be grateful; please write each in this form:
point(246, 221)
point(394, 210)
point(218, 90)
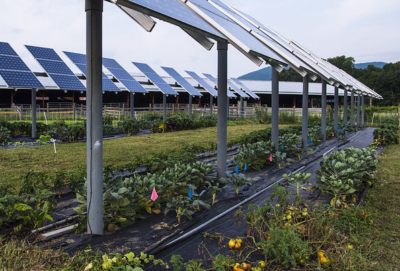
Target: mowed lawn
point(15, 162)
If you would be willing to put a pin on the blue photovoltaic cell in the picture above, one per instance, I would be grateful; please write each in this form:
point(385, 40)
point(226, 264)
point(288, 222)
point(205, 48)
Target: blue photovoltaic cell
point(80, 61)
point(67, 82)
point(177, 10)
point(182, 81)
point(43, 53)
point(6, 49)
point(203, 83)
point(237, 90)
point(21, 79)
point(12, 63)
point(123, 76)
point(155, 78)
point(215, 81)
point(55, 67)
point(241, 85)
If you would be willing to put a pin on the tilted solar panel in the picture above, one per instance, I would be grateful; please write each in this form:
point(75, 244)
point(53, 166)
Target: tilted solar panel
point(14, 71)
point(155, 78)
point(203, 83)
point(56, 67)
point(215, 81)
point(182, 81)
point(123, 76)
point(237, 90)
point(241, 85)
point(43, 53)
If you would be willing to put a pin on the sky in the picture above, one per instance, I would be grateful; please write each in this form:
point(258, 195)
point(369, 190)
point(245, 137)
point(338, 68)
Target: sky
point(367, 30)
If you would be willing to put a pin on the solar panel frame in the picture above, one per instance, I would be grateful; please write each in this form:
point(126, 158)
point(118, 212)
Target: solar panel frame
point(155, 78)
point(127, 80)
point(203, 83)
point(20, 79)
point(182, 81)
point(215, 81)
point(243, 87)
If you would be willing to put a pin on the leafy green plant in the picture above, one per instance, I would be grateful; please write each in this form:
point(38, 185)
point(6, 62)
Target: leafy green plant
point(236, 180)
point(192, 265)
point(130, 126)
point(213, 189)
point(288, 141)
point(255, 155)
point(5, 134)
point(34, 216)
point(33, 180)
point(128, 262)
point(75, 132)
point(59, 180)
point(281, 159)
point(180, 205)
point(297, 180)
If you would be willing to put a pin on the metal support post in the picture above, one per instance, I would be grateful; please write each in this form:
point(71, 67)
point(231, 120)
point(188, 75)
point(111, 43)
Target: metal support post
point(227, 107)
point(241, 107)
point(345, 108)
point(358, 108)
point(132, 105)
point(94, 99)
point(275, 108)
point(336, 111)
point(323, 110)
point(164, 102)
point(304, 130)
point(352, 109)
point(222, 109)
point(33, 96)
point(211, 105)
point(190, 106)
point(363, 110)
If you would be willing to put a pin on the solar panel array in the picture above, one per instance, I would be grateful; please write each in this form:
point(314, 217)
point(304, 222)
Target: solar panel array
point(56, 68)
point(123, 76)
point(182, 81)
point(164, 87)
point(237, 90)
point(243, 87)
point(203, 83)
point(80, 61)
point(14, 71)
point(215, 82)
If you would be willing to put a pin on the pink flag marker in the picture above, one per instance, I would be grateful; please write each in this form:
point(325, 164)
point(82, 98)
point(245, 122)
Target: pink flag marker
point(333, 134)
point(154, 195)
point(356, 123)
point(270, 158)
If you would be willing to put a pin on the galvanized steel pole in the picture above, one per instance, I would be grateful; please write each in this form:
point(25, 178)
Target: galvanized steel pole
point(358, 108)
point(363, 110)
point(132, 105)
point(352, 109)
point(345, 108)
point(241, 107)
point(275, 109)
point(222, 48)
point(211, 105)
point(336, 111)
point(94, 100)
point(323, 110)
point(164, 101)
point(33, 100)
point(190, 106)
point(304, 130)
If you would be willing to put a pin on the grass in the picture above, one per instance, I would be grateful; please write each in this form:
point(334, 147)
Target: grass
point(120, 151)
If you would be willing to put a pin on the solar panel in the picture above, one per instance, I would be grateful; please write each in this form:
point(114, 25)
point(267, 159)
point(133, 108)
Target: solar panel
point(123, 76)
point(20, 79)
point(80, 61)
point(14, 71)
point(43, 53)
point(215, 81)
point(203, 83)
point(12, 63)
point(237, 90)
point(182, 81)
point(176, 10)
point(155, 78)
point(238, 36)
point(241, 85)
point(56, 68)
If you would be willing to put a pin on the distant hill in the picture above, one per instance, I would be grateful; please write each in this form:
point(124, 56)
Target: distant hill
point(265, 74)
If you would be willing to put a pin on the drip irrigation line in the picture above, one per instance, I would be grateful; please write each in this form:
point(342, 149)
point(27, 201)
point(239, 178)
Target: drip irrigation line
point(186, 235)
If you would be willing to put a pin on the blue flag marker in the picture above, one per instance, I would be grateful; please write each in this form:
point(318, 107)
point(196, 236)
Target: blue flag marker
point(282, 147)
point(245, 167)
point(237, 169)
point(190, 193)
point(339, 130)
point(309, 141)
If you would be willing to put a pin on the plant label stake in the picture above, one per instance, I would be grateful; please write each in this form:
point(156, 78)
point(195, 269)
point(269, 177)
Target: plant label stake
point(309, 141)
point(154, 195)
point(245, 167)
point(237, 168)
point(282, 148)
point(190, 193)
point(270, 158)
